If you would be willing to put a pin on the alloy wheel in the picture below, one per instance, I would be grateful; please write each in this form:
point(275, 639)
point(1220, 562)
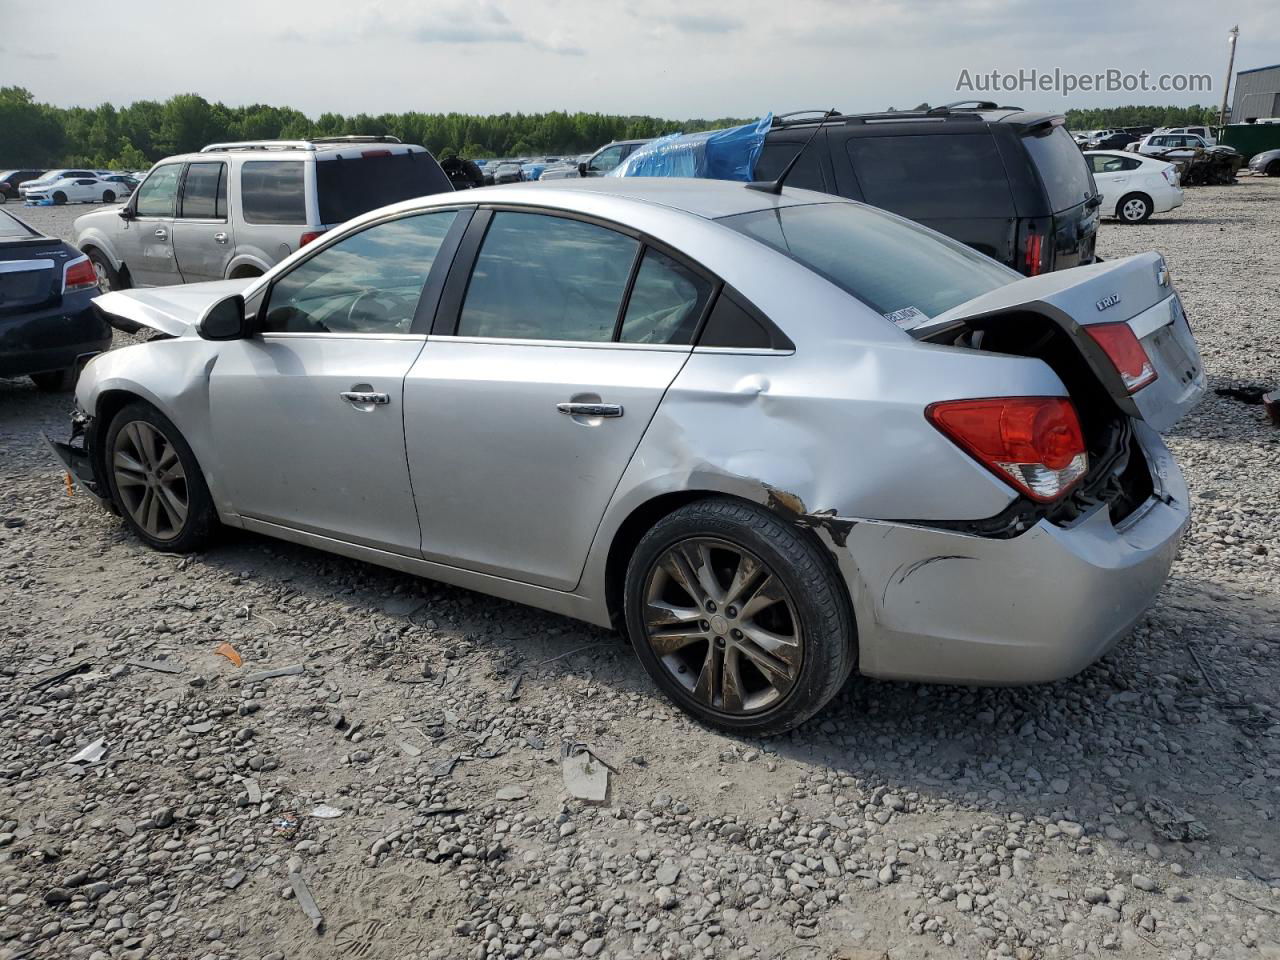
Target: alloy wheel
point(723, 625)
point(150, 479)
point(104, 279)
point(1134, 209)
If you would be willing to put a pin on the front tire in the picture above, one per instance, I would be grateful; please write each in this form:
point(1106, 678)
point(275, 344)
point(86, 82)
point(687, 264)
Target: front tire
point(739, 617)
point(1134, 208)
point(59, 198)
point(156, 482)
point(108, 278)
point(1273, 168)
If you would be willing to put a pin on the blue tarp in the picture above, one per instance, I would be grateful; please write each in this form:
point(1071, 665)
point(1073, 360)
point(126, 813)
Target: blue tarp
point(714, 155)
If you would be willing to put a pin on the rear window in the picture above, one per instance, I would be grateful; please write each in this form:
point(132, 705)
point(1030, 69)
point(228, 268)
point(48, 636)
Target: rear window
point(272, 191)
point(806, 174)
point(349, 187)
point(1062, 167)
point(894, 267)
point(933, 176)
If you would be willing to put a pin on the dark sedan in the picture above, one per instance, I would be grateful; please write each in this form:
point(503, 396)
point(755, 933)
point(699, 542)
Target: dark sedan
point(1114, 141)
point(48, 327)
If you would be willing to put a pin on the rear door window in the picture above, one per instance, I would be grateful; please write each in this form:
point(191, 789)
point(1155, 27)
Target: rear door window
point(1062, 168)
point(541, 277)
point(348, 187)
point(934, 176)
point(806, 174)
point(666, 302)
point(273, 191)
point(204, 192)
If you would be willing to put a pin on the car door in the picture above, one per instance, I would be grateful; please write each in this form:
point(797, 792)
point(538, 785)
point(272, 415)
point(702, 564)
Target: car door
point(608, 158)
point(536, 386)
point(144, 243)
point(307, 414)
point(203, 239)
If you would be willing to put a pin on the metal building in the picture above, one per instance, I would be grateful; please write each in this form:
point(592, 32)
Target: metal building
point(1257, 94)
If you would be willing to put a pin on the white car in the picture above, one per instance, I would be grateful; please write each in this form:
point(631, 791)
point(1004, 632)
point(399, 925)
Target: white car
point(1174, 146)
point(1204, 133)
point(1134, 187)
point(51, 176)
point(90, 189)
point(1088, 135)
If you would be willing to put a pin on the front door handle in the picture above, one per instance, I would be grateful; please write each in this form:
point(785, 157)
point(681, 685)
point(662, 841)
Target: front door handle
point(219, 238)
point(590, 409)
point(162, 233)
point(364, 396)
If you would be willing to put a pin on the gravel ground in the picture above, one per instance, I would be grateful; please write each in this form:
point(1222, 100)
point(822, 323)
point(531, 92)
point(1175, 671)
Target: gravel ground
point(408, 781)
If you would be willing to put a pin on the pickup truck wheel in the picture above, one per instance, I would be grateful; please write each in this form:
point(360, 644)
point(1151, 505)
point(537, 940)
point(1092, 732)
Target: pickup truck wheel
point(108, 278)
point(56, 381)
point(155, 481)
point(1134, 208)
point(59, 197)
point(739, 617)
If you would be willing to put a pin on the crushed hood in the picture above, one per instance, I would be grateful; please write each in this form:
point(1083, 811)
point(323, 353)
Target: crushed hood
point(170, 310)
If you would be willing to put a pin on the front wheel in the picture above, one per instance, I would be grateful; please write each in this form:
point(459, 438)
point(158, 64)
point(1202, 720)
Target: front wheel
point(59, 198)
point(1134, 208)
point(1273, 168)
point(739, 617)
point(108, 277)
point(156, 482)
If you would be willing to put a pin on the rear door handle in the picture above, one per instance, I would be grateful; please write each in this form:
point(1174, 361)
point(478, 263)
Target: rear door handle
point(364, 396)
point(590, 409)
point(219, 238)
point(162, 233)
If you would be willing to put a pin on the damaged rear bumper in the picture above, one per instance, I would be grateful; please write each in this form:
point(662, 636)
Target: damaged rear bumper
point(936, 605)
point(77, 458)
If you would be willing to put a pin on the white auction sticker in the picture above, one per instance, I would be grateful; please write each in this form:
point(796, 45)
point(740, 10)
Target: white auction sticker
point(907, 317)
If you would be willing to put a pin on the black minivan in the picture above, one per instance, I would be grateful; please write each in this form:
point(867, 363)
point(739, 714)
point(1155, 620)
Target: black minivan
point(1009, 183)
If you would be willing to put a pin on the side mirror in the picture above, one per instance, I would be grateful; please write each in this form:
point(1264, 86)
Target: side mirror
point(125, 212)
point(582, 169)
point(224, 320)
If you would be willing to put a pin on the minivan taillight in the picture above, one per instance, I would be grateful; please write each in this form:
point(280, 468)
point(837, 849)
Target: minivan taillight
point(79, 275)
point(1032, 443)
point(308, 237)
point(1033, 264)
point(1126, 353)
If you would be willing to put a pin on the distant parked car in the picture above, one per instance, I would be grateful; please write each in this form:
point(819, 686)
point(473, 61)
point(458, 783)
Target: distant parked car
point(75, 190)
point(39, 183)
point(508, 173)
point(10, 179)
point(598, 164)
point(1088, 136)
point(1112, 141)
point(1133, 187)
point(48, 328)
point(236, 209)
point(1175, 146)
point(1204, 133)
point(1268, 162)
point(128, 183)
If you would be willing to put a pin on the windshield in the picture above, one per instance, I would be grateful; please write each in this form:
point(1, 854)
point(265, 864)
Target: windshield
point(897, 268)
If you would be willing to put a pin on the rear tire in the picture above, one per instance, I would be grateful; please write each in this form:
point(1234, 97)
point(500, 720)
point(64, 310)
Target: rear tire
point(56, 381)
point(59, 198)
point(1134, 208)
point(108, 196)
point(155, 481)
point(762, 639)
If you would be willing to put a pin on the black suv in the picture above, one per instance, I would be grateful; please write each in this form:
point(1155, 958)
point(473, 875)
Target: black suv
point(1008, 183)
point(9, 180)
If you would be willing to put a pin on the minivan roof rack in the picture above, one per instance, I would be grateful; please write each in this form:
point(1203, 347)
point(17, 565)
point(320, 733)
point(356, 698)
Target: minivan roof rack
point(965, 111)
point(310, 144)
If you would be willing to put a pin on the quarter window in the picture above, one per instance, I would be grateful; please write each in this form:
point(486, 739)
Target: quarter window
point(271, 191)
point(547, 278)
point(204, 192)
point(369, 282)
point(157, 194)
point(666, 302)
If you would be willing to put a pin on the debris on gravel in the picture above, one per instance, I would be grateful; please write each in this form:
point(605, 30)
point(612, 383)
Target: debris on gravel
point(383, 776)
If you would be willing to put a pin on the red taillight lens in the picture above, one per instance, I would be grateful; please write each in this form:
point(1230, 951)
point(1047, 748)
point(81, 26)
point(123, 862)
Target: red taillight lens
point(1035, 246)
point(308, 237)
point(1126, 353)
point(79, 275)
point(368, 154)
point(1032, 443)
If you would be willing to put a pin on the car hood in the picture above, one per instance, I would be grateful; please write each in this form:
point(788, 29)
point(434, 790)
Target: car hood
point(170, 310)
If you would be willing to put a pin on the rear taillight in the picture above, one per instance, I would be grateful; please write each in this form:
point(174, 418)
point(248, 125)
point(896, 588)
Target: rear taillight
point(79, 275)
point(370, 154)
point(1032, 443)
point(1170, 176)
point(308, 237)
point(1126, 353)
point(1034, 264)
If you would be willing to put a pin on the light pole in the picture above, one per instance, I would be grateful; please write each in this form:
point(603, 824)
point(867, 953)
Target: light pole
point(1226, 86)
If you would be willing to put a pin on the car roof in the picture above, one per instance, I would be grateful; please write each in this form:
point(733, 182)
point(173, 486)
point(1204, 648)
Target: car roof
point(710, 199)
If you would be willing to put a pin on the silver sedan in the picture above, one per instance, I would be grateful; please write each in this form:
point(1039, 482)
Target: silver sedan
point(775, 438)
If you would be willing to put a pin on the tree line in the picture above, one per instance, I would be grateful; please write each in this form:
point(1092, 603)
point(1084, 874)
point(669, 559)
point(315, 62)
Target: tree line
point(135, 136)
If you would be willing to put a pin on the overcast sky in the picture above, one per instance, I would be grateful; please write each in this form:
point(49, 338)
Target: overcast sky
point(663, 57)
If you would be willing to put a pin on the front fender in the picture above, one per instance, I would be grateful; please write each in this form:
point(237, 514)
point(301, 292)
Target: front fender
point(97, 239)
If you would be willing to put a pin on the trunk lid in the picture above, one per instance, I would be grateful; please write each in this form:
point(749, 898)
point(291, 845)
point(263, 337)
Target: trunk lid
point(1136, 290)
point(173, 311)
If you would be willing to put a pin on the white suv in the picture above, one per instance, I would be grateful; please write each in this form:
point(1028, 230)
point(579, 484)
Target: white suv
point(237, 209)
